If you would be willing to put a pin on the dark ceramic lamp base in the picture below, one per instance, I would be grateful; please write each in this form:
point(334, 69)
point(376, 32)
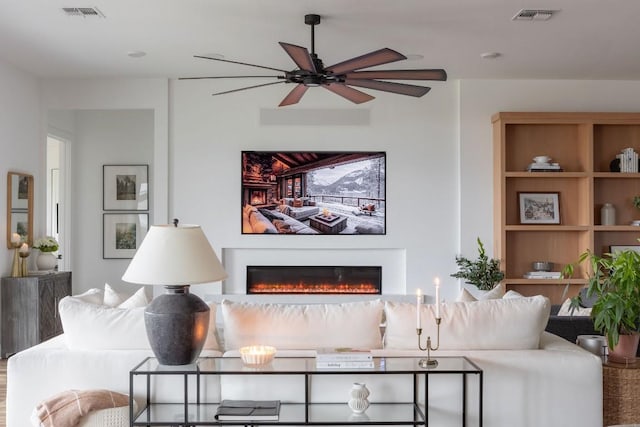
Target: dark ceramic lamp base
point(177, 323)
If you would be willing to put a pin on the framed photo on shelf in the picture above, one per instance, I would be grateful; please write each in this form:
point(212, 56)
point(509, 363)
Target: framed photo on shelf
point(539, 208)
point(613, 249)
point(122, 234)
point(125, 187)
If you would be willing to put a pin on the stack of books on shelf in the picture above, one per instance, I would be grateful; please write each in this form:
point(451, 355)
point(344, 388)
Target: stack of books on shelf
point(628, 160)
point(344, 358)
point(544, 167)
point(248, 410)
point(543, 275)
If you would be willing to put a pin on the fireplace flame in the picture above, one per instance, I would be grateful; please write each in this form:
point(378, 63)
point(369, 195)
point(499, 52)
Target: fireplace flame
point(313, 288)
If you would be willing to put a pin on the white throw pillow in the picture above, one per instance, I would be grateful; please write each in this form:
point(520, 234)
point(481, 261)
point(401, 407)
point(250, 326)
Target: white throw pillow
point(495, 293)
point(497, 324)
point(111, 297)
point(92, 296)
point(565, 310)
point(295, 327)
point(139, 299)
point(97, 327)
point(465, 296)
point(512, 294)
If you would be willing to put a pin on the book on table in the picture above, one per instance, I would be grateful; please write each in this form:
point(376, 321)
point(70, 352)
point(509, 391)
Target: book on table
point(345, 364)
point(343, 354)
point(264, 410)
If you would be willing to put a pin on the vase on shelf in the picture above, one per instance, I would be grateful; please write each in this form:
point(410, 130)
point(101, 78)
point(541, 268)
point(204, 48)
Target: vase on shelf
point(358, 401)
point(46, 261)
point(608, 214)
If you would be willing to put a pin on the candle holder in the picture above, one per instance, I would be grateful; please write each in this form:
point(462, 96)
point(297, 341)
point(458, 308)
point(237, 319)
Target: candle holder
point(23, 262)
point(15, 266)
point(429, 363)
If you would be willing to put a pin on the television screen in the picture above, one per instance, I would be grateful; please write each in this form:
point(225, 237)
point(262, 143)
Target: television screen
point(313, 192)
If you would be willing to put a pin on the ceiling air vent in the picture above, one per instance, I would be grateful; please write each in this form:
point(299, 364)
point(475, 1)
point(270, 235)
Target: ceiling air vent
point(533, 15)
point(83, 12)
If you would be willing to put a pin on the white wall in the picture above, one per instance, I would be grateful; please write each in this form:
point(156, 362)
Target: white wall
point(479, 99)
point(103, 137)
point(419, 136)
point(20, 144)
point(118, 121)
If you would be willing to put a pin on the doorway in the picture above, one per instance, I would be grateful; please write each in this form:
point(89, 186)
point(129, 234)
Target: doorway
point(57, 215)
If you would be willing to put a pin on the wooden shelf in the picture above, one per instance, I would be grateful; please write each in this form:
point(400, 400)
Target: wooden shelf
point(584, 144)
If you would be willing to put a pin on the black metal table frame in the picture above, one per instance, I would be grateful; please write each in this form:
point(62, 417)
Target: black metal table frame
point(420, 418)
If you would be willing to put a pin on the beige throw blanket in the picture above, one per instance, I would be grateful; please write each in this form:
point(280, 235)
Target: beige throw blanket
point(67, 408)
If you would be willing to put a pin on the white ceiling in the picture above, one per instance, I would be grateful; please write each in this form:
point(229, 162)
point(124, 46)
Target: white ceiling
point(586, 39)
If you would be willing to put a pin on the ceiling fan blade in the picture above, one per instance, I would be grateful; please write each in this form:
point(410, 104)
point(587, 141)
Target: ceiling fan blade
point(435, 74)
point(300, 56)
point(294, 96)
point(248, 87)
point(378, 57)
point(353, 95)
point(399, 88)
point(230, 77)
point(240, 63)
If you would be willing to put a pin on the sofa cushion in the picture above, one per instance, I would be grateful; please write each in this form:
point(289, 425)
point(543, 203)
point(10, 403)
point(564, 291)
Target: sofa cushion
point(500, 324)
point(313, 326)
point(99, 327)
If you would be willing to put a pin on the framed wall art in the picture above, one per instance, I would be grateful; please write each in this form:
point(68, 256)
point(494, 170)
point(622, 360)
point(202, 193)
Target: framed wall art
point(123, 234)
point(313, 192)
point(614, 249)
point(125, 187)
point(539, 208)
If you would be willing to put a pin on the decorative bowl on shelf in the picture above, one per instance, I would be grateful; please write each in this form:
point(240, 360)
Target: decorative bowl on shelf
point(257, 354)
point(542, 266)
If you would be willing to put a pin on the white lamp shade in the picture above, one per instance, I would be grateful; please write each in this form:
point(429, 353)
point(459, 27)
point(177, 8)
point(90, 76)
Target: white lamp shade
point(171, 255)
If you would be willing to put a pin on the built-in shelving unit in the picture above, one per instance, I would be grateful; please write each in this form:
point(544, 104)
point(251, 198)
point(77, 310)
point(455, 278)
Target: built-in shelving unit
point(584, 144)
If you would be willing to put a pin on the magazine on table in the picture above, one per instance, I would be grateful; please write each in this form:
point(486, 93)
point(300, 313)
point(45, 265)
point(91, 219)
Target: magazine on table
point(248, 410)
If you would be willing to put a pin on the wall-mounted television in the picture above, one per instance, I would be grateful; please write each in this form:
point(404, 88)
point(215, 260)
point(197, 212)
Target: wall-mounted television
point(314, 192)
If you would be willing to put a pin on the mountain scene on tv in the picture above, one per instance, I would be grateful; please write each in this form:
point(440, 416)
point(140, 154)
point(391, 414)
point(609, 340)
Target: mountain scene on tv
point(313, 192)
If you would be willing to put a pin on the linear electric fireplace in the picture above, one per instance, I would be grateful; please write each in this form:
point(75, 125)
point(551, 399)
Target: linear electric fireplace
point(276, 279)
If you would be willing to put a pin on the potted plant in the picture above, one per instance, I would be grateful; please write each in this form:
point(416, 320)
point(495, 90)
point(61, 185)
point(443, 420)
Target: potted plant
point(615, 282)
point(46, 260)
point(483, 272)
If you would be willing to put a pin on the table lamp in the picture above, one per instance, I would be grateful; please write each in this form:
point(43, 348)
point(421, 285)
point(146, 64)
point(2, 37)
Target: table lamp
point(175, 256)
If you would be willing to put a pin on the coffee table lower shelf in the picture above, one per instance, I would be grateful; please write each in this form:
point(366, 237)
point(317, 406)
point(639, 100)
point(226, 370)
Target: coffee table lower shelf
point(324, 414)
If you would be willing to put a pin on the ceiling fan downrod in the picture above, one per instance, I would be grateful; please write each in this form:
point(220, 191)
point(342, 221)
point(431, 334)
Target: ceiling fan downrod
point(313, 20)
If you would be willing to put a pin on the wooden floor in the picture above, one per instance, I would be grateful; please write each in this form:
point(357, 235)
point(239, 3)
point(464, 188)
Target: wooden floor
point(3, 391)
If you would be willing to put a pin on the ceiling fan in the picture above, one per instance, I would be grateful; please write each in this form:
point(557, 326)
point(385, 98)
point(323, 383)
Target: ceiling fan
point(338, 78)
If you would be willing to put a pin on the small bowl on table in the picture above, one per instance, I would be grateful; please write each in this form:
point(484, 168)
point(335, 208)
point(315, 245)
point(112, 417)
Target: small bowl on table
point(255, 355)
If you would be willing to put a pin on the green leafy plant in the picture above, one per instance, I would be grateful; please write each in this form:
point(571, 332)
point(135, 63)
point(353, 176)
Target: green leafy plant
point(483, 272)
point(615, 282)
point(46, 244)
point(636, 201)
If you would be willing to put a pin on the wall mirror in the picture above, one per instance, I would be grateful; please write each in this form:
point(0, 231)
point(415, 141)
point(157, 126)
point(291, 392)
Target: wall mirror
point(19, 207)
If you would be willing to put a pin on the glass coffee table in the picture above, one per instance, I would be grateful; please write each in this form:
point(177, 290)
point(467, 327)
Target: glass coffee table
point(195, 410)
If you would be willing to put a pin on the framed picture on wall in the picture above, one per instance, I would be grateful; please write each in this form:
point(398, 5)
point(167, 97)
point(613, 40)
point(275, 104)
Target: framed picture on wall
point(123, 234)
point(125, 187)
point(539, 208)
point(614, 249)
point(313, 192)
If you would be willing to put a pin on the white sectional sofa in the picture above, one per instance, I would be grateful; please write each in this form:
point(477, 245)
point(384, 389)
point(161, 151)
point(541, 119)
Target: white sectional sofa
point(531, 378)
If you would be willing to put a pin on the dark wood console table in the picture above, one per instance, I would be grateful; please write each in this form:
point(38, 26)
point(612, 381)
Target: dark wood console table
point(29, 312)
